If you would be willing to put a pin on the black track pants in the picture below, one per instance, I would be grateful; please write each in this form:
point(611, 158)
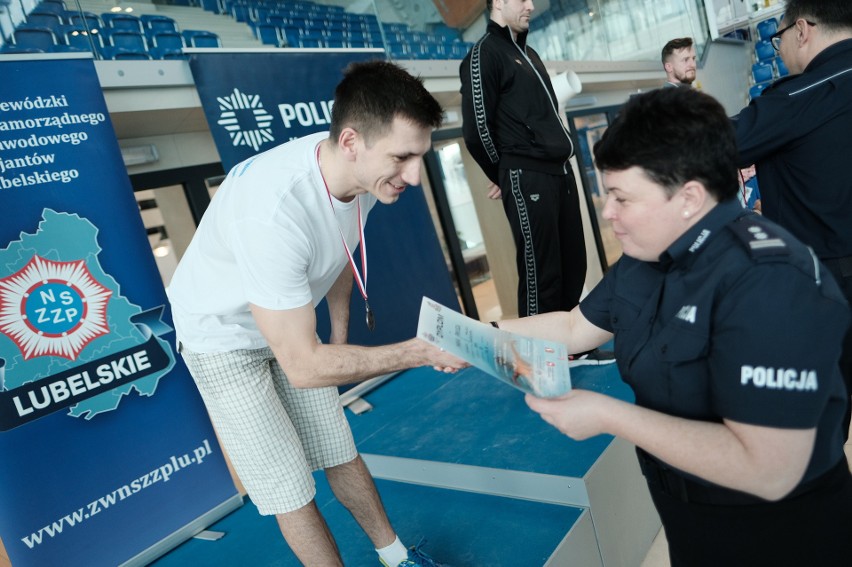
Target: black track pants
point(544, 214)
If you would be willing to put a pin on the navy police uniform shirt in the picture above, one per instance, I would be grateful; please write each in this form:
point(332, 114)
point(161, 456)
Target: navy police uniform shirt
point(798, 133)
point(737, 320)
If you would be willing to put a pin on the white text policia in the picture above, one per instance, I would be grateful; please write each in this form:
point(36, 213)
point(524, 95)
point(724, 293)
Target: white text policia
point(779, 378)
point(81, 383)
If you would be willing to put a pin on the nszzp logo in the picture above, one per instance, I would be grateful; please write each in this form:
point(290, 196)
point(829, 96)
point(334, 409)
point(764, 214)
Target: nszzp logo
point(245, 119)
point(53, 308)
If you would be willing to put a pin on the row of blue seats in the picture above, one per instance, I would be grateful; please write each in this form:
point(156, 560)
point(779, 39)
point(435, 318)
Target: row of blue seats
point(146, 23)
point(251, 13)
point(51, 28)
point(306, 9)
point(767, 66)
point(400, 47)
point(109, 44)
point(270, 34)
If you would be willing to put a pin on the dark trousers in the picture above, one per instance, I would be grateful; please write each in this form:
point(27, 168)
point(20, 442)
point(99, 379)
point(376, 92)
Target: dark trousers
point(841, 269)
point(811, 529)
point(544, 214)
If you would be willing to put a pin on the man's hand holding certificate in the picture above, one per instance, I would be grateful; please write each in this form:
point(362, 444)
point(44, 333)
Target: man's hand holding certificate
point(535, 366)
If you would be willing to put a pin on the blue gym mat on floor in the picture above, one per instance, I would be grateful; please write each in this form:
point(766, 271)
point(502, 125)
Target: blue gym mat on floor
point(462, 529)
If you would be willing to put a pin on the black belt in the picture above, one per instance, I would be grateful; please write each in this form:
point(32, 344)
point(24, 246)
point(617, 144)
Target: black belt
point(843, 266)
point(671, 482)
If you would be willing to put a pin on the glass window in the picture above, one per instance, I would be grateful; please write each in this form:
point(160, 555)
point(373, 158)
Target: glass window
point(616, 30)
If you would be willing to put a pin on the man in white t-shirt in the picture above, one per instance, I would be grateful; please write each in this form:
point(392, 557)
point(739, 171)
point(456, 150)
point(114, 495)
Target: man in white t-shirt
point(277, 239)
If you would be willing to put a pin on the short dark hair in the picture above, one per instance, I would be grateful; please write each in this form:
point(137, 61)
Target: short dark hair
point(833, 15)
point(675, 44)
point(489, 5)
point(675, 136)
point(373, 93)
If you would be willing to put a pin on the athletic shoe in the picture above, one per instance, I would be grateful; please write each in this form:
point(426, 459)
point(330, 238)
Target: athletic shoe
point(417, 558)
point(594, 357)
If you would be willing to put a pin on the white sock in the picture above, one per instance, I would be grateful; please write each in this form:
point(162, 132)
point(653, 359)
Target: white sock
point(394, 554)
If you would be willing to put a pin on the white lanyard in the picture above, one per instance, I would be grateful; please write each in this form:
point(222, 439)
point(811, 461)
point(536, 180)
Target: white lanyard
point(362, 284)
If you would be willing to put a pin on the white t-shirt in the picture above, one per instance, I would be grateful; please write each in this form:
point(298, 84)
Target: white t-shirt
point(269, 237)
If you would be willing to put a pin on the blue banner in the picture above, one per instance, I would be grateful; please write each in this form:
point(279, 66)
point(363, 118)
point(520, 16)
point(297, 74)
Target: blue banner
point(255, 101)
point(105, 446)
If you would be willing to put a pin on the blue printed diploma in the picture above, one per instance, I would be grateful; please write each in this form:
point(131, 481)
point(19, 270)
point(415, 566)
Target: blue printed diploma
point(531, 365)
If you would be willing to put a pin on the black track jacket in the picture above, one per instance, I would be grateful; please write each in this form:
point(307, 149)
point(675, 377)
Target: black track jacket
point(509, 109)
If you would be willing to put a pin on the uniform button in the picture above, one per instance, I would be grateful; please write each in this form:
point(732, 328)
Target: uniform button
point(615, 319)
point(664, 348)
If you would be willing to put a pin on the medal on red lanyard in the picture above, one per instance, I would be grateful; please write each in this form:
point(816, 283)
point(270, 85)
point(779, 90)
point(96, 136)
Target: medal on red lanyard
point(362, 284)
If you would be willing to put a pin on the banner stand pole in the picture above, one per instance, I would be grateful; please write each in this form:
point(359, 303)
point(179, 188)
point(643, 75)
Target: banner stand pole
point(183, 534)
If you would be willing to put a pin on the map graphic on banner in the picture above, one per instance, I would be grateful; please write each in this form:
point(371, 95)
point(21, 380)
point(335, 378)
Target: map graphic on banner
point(531, 365)
point(85, 345)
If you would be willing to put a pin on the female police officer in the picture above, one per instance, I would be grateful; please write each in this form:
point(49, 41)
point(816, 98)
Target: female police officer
point(729, 331)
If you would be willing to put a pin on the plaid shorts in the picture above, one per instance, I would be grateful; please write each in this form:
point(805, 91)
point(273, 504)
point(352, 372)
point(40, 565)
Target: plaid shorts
point(275, 434)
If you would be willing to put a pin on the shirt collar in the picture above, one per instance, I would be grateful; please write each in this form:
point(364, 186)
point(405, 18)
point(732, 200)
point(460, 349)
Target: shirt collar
point(828, 53)
point(685, 249)
point(506, 33)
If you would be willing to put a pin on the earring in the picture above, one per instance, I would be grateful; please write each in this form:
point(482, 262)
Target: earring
point(686, 214)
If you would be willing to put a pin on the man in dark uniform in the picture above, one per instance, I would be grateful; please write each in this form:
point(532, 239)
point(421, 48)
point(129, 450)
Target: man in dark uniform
point(513, 130)
point(728, 329)
point(799, 135)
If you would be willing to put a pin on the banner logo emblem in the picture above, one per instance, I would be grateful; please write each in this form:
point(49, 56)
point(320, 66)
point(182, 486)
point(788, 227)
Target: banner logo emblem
point(245, 119)
point(53, 308)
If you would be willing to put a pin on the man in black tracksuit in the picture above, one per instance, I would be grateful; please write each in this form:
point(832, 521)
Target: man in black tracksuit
point(513, 130)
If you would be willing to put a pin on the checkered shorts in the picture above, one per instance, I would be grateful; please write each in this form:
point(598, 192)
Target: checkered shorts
point(275, 434)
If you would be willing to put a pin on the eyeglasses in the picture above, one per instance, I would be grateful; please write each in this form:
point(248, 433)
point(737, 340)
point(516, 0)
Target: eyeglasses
point(775, 39)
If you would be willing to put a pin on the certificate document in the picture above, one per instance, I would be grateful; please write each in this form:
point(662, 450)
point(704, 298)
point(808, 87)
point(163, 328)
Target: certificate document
point(536, 366)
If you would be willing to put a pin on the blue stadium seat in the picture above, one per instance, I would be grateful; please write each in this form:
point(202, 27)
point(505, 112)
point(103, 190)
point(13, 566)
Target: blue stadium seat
point(50, 20)
point(259, 14)
point(211, 6)
point(201, 38)
point(269, 34)
point(762, 72)
point(763, 50)
point(81, 39)
point(781, 67)
point(154, 23)
point(123, 22)
point(755, 90)
point(766, 28)
point(167, 41)
point(240, 11)
point(83, 19)
point(55, 6)
point(292, 35)
point(128, 40)
point(34, 36)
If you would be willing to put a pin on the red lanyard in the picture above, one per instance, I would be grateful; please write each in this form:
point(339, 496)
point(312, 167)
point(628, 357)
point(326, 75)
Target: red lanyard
point(362, 285)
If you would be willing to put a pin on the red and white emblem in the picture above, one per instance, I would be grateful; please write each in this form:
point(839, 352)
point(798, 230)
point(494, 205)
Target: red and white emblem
point(53, 308)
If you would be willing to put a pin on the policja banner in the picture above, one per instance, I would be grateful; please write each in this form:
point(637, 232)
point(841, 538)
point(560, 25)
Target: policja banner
point(256, 99)
point(107, 453)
